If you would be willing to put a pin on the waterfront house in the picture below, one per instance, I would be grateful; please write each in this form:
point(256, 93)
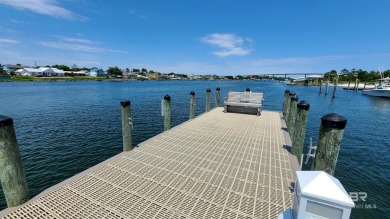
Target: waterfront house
point(81, 73)
point(58, 72)
point(12, 68)
point(94, 72)
point(131, 74)
point(31, 72)
point(142, 77)
point(42, 71)
point(153, 76)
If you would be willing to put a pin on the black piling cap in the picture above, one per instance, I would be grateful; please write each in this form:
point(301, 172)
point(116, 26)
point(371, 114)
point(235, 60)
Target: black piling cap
point(294, 98)
point(333, 121)
point(125, 103)
point(192, 93)
point(287, 91)
point(208, 90)
point(303, 104)
point(5, 121)
point(167, 97)
point(218, 89)
point(292, 93)
point(247, 89)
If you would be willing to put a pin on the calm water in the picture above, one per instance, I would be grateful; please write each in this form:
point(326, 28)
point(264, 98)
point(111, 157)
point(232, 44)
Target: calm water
point(64, 128)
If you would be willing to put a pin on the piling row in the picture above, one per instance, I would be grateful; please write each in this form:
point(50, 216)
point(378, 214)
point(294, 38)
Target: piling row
point(329, 137)
point(327, 87)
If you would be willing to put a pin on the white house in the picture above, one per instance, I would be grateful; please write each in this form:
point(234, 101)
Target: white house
point(81, 73)
point(29, 72)
point(40, 72)
point(46, 71)
point(58, 72)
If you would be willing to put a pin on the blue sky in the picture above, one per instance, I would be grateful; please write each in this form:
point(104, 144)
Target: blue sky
point(198, 37)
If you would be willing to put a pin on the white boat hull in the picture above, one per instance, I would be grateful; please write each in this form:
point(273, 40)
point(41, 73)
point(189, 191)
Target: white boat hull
point(377, 92)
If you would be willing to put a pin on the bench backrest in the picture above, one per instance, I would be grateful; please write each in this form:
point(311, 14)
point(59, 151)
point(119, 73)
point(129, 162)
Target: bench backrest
point(247, 97)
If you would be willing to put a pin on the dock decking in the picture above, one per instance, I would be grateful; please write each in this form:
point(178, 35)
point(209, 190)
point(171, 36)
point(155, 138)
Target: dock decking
point(218, 165)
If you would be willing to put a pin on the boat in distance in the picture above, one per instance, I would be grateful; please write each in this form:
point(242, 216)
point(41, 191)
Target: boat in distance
point(381, 89)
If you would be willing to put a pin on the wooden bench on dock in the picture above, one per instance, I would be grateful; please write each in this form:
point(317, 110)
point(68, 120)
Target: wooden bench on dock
point(244, 102)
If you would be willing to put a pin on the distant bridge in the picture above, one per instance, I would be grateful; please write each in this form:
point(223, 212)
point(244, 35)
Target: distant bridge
point(285, 74)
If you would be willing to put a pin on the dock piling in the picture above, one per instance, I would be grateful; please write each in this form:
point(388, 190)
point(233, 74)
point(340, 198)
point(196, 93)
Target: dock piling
point(298, 137)
point(286, 95)
point(217, 97)
point(321, 86)
point(327, 87)
point(357, 84)
point(208, 93)
point(292, 114)
point(290, 94)
point(126, 126)
point(192, 104)
point(335, 86)
point(13, 179)
point(329, 141)
point(167, 112)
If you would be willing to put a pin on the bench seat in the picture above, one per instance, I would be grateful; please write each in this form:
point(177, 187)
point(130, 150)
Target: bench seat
point(244, 102)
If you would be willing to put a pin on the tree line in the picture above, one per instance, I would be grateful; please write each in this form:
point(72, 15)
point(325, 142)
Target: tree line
point(343, 75)
point(353, 74)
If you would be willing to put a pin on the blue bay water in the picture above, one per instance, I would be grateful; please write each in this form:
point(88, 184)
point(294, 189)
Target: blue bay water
point(64, 128)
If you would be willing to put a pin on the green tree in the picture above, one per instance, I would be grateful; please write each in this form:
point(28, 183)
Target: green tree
point(330, 75)
point(144, 70)
point(114, 71)
point(2, 72)
point(373, 76)
point(386, 73)
point(136, 70)
point(62, 67)
point(344, 71)
point(362, 75)
point(75, 68)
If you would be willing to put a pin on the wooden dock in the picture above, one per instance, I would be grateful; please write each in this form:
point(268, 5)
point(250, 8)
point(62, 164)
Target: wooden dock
point(218, 165)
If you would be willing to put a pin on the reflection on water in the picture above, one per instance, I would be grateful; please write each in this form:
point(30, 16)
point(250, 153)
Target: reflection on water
point(380, 104)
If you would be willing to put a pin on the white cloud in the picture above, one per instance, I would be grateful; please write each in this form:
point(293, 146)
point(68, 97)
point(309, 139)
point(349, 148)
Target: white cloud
point(77, 47)
point(46, 7)
point(3, 40)
point(6, 30)
point(75, 40)
point(17, 21)
point(77, 44)
point(229, 44)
